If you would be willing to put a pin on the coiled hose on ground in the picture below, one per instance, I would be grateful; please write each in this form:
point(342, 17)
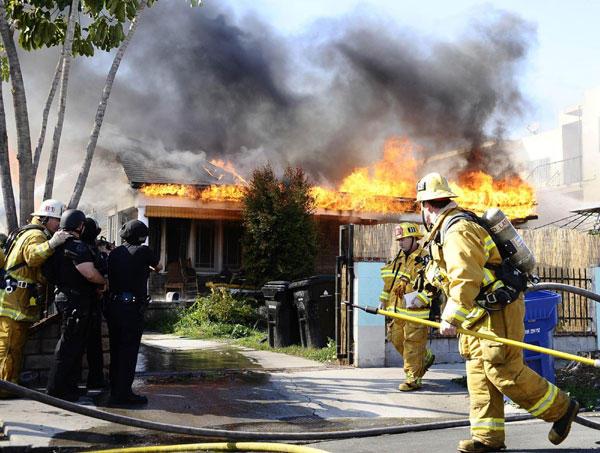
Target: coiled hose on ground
point(226, 434)
point(218, 446)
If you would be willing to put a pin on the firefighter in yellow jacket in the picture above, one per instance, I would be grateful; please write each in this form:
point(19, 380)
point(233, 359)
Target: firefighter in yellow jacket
point(460, 249)
point(31, 246)
point(399, 295)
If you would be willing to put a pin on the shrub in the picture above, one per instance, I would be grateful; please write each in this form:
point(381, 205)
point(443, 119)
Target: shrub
point(281, 237)
point(221, 307)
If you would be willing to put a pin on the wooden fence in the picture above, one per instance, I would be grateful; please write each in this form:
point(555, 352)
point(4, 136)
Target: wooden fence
point(563, 256)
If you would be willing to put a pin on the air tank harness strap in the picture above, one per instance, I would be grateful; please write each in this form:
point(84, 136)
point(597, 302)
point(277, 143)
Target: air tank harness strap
point(513, 281)
point(9, 283)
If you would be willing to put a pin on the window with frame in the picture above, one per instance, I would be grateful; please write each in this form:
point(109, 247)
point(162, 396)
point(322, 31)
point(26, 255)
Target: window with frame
point(205, 243)
point(232, 244)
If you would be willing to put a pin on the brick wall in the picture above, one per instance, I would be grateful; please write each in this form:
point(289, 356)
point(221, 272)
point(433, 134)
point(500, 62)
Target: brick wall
point(39, 351)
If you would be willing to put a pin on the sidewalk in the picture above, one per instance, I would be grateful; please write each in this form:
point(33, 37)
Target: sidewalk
point(275, 392)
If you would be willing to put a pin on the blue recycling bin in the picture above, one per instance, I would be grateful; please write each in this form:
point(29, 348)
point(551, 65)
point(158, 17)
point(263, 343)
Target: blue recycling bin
point(540, 319)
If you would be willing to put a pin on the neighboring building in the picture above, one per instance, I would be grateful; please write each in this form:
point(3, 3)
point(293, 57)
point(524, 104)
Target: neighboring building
point(565, 162)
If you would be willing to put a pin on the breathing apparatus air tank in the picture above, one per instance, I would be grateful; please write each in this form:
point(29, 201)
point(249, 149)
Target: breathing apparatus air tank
point(509, 240)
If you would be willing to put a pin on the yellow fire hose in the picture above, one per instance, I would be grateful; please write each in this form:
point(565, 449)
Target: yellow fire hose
point(519, 344)
point(218, 446)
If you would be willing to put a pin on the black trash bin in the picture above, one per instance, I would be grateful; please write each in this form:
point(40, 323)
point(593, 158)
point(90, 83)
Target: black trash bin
point(315, 301)
point(282, 317)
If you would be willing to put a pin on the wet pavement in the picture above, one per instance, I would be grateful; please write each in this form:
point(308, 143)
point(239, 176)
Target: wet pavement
point(152, 360)
point(212, 385)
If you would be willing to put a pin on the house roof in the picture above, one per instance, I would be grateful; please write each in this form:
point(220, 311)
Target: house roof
point(144, 167)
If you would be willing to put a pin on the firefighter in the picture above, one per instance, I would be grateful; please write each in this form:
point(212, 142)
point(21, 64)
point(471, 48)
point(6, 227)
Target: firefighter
point(460, 251)
point(399, 295)
point(128, 268)
point(76, 282)
point(29, 247)
point(93, 349)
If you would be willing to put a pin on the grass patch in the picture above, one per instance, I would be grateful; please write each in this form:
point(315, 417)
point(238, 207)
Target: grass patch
point(325, 355)
point(587, 397)
point(254, 339)
point(233, 319)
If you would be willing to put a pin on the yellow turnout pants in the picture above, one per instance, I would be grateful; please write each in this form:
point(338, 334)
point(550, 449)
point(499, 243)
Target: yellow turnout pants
point(410, 340)
point(495, 369)
point(13, 335)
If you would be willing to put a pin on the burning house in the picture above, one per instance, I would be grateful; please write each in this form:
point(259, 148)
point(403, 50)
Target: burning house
point(194, 210)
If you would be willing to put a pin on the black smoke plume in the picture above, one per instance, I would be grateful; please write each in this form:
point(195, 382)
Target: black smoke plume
point(207, 81)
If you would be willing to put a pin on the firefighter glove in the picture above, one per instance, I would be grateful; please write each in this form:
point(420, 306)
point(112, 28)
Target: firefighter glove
point(58, 239)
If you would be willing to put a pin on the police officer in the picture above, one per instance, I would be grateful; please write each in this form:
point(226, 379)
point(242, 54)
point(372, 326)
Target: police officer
point(94, 350)
point(77, 279)
point(463, 255)
point(128, 268)
point(28, 248)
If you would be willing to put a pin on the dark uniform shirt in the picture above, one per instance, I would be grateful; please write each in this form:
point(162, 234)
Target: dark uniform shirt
point(69, 255)
point(128, 269)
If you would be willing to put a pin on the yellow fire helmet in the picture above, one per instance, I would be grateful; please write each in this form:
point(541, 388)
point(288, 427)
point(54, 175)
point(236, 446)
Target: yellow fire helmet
point(434, 186)
point(407, 230)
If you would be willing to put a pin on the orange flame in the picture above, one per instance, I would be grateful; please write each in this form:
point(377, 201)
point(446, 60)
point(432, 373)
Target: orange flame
point(211, 193)
point(478, 191)
point(377, 190)
point(228, 167)
point(388, 186)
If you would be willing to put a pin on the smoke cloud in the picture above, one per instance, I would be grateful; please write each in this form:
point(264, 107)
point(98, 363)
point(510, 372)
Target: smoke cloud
point(208, 82)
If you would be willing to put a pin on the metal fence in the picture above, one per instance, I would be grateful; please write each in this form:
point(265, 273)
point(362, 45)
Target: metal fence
point(574, 314)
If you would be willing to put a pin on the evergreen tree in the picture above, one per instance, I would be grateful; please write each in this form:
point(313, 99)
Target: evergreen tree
point(280, 239)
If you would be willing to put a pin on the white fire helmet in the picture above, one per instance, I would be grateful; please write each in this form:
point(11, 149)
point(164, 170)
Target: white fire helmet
point(50, 208)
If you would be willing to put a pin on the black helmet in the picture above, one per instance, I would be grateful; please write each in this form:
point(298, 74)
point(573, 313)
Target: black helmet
point(90, 231)
point(135, 232)
point(71, 219)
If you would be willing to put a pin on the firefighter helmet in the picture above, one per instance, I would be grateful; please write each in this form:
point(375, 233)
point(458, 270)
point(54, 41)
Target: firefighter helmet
point(407, 230)
point(71, 219)
point(50, 208)
point(434, 186)
point(135, 232)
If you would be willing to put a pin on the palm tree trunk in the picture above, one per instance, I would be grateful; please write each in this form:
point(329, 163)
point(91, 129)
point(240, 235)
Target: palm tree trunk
point(38, 149)
point(7, 188)
point(62, 102)
point(91, 146)
point(21, 119)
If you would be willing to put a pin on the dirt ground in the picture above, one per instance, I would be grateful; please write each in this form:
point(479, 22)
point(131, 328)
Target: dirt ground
point(582, 376)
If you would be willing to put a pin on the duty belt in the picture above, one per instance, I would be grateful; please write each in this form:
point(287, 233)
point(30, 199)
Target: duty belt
point(128, 298)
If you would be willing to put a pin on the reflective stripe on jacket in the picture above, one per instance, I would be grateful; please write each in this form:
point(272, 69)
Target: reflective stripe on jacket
point(457, 267)
point(401, 273)
point(30, 247)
